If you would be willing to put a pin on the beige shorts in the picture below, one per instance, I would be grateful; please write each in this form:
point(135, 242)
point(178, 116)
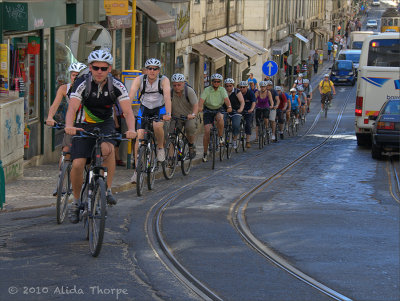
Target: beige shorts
point(272, 115)
point(190, 127)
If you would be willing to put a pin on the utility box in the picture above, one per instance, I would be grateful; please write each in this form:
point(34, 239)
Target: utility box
point(12, 136)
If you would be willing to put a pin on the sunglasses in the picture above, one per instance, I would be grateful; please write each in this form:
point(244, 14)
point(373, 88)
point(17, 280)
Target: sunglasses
point(216, 81)
point(243, 87)
point(96, 68)
point(152, 68)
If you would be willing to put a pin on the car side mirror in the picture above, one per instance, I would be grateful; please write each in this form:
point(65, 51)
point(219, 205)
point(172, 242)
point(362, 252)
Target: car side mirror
point(372, 117)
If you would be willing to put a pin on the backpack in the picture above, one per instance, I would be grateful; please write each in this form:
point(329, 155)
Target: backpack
point(186, 91)
point(143, 91)
point(322, 81)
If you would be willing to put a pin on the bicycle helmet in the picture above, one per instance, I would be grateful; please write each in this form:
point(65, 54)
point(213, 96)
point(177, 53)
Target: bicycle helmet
point(177, 78)
point(269, 83)
point(293, 90)
point(229, 81)
point(216, 76)
point(306, 81)
point(278, 88)
point(263, 83)
point(326, 75)
point(300, 75)
point(152, 62)
point(244, 83)
point(76, 67)
point(100, 56)
point(300, 89)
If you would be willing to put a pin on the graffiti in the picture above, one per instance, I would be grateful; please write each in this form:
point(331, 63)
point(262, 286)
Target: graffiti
point(16, 12)
point(13, 171)
point(182, 20)
point(8, 127)
point(19, 124)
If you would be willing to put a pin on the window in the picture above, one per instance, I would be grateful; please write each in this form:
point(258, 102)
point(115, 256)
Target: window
point(196, 1)
point(392, 108)
point(384, 53)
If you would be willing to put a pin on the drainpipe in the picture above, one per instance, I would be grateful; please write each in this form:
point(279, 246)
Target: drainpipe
point(1, 22)
point(133, 35)
point(41, 92)
point(228, 4)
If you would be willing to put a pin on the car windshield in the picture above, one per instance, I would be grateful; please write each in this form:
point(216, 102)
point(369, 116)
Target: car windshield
point(357, 44)
point(392, 108)
point(384, 53)
point(371, 22)
point(343, 65)
point(354, 57)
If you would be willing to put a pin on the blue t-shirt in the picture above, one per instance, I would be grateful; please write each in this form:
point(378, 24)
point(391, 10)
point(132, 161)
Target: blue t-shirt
point(252, 80)
point(294, 101)
point(249, 98)
point(329, 45)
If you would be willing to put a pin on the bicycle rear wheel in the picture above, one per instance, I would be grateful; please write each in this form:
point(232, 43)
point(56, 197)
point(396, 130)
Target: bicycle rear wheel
point(63, 191)
point(97, 217)
point(141, 170)
point(151, 166)
point(169, 165)
point(186, 160)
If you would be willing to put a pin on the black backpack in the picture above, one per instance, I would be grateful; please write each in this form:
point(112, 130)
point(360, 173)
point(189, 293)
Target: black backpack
point(186, 91)
point(143, 91)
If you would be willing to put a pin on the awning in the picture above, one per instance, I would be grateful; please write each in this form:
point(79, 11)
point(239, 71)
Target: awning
point(281, 47)
point(250, 43)
point(300, 37)
point(321, 31)
point(240, 47)
point(216, 56)
point(318, 32)
point(229, 51)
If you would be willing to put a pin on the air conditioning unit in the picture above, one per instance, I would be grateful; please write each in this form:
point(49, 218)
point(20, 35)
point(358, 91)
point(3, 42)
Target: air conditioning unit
point(315, 24)
point(292, 28)
point(300, 24)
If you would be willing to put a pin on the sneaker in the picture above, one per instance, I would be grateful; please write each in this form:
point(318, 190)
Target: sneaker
point(273, 137)
point(248, 145)
point(133, 178)
point(235, 144)
point(297, 121)
point(110, 198)
point(192, 152)
point(73, 212)
point(205, 158)
point(221, 140)
point(160, 155)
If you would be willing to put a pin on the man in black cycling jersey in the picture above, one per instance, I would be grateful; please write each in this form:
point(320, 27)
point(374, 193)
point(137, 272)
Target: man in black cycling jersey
point(237, 103)
point(249, 106)
point(87, 111)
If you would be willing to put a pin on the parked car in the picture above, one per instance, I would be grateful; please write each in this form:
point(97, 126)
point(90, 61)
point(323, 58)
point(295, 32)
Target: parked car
point(386, 129)
point(375, 3)
point(343, 72)
point(372, 23)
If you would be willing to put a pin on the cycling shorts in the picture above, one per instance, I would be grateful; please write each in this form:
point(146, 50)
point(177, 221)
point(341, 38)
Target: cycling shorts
point(209, 115)
point(261, 113)
point(146, 112)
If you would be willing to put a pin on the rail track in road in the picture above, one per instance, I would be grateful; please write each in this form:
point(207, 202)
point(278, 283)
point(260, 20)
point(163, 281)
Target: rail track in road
point(393, 176)
point(155, 236)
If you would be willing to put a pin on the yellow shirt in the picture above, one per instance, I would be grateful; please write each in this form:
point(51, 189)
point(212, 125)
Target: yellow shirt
point(325, 86)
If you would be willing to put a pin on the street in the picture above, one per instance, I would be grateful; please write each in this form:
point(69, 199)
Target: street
point(316, 203)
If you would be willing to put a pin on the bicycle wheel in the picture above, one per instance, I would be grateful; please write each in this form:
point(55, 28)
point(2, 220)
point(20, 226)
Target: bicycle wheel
point(151, 165)
point(229, 143)
point(169, 165)
point(186, 160)
point(97, 217)
point(141, 170)
point(221, 150)
point(63, 191)
point(326, 106)
point(213, 147)
point(261, 135)
point(242, 137)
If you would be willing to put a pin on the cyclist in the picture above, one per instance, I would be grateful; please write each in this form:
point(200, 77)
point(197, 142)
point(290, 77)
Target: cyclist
point(64, 92)
point(264, 102)
point(272, 113)
point(299, 81)
point(326, 89)
point(308, 90)
point(294, 103)
point(185, 102)
point(155, 101)
point(237, 103)
point(212, 99)
point(95, 109)
point(283, 105)
point(303, 99)
point(249, 106)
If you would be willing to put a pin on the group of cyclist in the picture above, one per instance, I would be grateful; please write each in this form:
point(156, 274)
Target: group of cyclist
point(93, 96)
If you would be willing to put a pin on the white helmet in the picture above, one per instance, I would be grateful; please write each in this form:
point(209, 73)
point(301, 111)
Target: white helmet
point(300, 89)
point(263, 83)
point(244, 83)
point(278, 88)
point(269, 83)
point(76, 67)
point(300, 74)
point(306, 81)
point(152, 62)
point(229, 81)
point(293, 90)
point(326, 75)
point(216, 76)
point(177, 78)
point(100, 56)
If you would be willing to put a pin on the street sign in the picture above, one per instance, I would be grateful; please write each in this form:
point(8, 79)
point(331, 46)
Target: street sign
point(270, 68)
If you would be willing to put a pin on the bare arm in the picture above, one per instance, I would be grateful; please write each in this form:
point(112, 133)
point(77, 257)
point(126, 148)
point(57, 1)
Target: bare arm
point(134, 88)
point(73, 107)
point(166, 86)
point(61, 92)
point(129, 117)
point(228, 104)
point(271, 101)
point(241, 100)
point(277, 102)
point(201, 104)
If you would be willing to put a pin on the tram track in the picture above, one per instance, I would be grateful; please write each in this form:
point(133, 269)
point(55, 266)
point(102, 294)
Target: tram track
point(153, 227)
point(394, 183)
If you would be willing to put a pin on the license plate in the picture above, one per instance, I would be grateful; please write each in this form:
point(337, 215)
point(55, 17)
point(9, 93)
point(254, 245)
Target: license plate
point(342, 79)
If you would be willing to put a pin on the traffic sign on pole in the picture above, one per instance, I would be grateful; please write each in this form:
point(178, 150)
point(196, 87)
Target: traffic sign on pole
point(270, 68)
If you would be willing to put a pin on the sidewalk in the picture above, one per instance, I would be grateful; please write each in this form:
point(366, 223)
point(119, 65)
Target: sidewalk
point(34, 189)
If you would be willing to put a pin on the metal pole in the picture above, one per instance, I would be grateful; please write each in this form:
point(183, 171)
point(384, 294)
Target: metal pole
point(2, 186)
point(228, 4)
point(1, 22)
point(133, 35)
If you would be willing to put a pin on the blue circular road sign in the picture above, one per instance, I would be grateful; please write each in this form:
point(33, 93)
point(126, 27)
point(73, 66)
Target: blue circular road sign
point(270, 68)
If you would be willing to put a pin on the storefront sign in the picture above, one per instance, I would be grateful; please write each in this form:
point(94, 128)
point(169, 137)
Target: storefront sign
point(118, 22)
point(166, 30)
point(116, 7)
point(3, 69)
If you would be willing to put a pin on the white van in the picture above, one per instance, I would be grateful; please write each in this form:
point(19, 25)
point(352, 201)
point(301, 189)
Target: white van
point(357, 38)
point(378, 80)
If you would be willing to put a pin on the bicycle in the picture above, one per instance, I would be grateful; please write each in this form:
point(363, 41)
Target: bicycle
point(326, 102)
point(92, 206)
point(228, 135)
point(242, 135)
point(147, 156)
point(177, 149)
point(293, 126)
point(263, 135)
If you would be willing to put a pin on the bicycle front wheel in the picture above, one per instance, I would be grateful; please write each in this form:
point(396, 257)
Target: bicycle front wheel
point(261, 136)
point(229, 143)
point(141, 170)
point(169, 165)
point(97, 217)
point(186, 161)
point(326, 106)
point(213, 147)
point(151, 166)
point(63, 191)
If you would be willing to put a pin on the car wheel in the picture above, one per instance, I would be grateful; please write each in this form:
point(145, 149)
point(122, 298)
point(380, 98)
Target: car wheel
point(376, 151)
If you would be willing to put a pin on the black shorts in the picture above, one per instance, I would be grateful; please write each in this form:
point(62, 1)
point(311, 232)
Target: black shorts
point(146, 112)
point(261, 113)
point(209, 115)
point(329, 52)
point(83, 147)
point(279, 116)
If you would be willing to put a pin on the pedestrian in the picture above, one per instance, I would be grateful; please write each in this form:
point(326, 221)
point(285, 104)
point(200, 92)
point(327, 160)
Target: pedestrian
point(329, 44)
point(252, 79)
point(310, 64)
point(316, 61)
